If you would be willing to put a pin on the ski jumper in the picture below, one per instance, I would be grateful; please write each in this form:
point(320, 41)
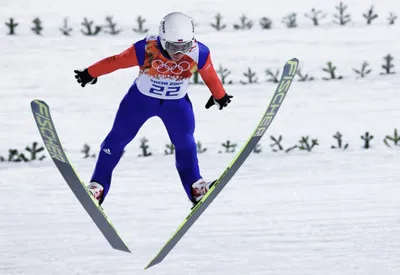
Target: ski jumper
point(159, 90)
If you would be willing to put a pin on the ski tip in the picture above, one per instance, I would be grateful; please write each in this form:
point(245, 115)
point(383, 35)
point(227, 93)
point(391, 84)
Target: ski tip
point(292, 66)
point(292, 61)
point(38, 102)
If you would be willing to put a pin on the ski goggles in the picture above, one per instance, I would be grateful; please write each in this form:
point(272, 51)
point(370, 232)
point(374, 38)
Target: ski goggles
point(176, 47)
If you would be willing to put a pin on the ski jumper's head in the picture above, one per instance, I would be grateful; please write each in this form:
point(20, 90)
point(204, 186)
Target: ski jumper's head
point(176, 34)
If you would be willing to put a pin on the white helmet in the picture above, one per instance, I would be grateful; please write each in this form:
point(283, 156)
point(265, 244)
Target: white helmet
point(176, 32)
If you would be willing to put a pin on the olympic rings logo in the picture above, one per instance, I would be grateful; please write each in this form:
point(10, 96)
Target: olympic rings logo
point(170, 66)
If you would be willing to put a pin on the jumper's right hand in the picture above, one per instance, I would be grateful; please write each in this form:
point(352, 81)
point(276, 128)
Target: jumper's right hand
point(83, 77)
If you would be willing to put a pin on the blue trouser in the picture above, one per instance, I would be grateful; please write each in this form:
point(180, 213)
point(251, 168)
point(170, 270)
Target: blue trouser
point(134, 110)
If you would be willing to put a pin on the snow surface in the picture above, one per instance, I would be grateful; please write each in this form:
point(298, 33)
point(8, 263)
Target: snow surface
point(324, 212)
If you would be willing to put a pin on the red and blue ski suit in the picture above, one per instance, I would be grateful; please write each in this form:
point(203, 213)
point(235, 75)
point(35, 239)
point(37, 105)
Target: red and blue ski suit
point(159, 90)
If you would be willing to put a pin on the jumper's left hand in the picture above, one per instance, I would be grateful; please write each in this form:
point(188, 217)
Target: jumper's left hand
point(221, 103)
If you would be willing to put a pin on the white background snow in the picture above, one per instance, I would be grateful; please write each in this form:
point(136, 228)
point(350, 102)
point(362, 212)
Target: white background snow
point(324, 212)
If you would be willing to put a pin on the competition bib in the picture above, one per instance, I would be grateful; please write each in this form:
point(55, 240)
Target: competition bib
point(162, 78)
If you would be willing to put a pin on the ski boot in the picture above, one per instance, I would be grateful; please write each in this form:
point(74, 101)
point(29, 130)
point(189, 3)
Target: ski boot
point(96, 189)
point(199, 189)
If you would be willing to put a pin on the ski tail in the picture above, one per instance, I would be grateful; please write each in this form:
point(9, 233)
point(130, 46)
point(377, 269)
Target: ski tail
point(289, 71)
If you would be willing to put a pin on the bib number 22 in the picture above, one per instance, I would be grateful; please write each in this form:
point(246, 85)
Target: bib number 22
point(164, 90)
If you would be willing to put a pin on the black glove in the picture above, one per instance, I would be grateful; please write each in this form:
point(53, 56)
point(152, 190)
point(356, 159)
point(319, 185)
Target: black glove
point(83, 77)
point(221, 103)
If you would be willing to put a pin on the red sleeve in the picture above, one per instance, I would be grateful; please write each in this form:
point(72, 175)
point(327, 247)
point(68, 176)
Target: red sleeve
point(211, 79)
point(126, 59)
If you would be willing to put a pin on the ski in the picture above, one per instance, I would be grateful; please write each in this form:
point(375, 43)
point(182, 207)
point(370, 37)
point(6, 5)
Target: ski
point(288, 74)
point(44, 122)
